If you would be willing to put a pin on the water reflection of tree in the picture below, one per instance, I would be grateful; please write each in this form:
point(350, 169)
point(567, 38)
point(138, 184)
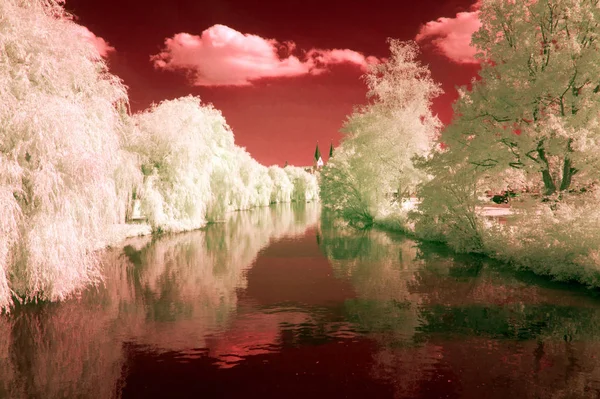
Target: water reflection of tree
point(59, 351)
point(381, 267)
point(193, 278)
point(459, 325)
point(168, 293)
point(501, 330)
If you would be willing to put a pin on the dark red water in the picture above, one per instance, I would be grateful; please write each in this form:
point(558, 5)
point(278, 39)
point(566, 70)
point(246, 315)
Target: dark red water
point(279, 304)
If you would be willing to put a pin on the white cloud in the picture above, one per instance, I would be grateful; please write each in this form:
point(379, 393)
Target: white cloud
point(222, 56)
point(452, 36)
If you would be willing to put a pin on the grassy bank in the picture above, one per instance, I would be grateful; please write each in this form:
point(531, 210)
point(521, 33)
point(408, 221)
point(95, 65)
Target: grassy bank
point(559, 241)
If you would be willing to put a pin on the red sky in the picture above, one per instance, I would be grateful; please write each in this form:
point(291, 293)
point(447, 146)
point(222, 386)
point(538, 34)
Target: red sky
point(279, 98)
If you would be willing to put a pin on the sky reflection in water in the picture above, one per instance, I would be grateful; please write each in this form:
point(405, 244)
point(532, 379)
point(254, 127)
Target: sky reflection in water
point(279, 302)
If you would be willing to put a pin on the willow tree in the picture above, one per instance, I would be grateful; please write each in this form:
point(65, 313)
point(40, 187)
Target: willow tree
point(62, 125)
point(375, 158)
point(536, 106)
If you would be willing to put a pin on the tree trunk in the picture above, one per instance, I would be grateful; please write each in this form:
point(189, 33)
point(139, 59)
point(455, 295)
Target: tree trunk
point(548, 182)
point(568, 172)
point(568, 169)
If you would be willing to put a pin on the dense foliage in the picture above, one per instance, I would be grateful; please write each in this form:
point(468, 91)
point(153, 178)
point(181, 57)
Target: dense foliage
point(528, 126)
point(72, 158)
point(536, 106)
point(374, 163)
point(64, 176)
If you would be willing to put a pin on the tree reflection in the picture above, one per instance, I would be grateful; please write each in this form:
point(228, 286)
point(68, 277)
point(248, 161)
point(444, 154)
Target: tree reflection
point(167, 293)
point(422, 320)
point(455, 325)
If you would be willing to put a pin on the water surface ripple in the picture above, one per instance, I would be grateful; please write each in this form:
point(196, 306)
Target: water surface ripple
point(281, 303)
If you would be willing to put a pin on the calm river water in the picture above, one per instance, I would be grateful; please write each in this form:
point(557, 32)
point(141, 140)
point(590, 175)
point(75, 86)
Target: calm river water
point(279, 303)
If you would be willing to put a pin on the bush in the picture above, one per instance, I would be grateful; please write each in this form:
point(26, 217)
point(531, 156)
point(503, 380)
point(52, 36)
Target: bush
point(306, 185)
point(282, 186)
point(557, 239)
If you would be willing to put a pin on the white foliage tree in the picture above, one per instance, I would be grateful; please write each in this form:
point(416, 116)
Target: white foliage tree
point(375, 160)
point(306, 185)
point(196, 174)
point(282, 186)
point(253, 183)
point(531, 120)
point(61, 131)
point(70, 157)
point(178, 140)
point(536, 106)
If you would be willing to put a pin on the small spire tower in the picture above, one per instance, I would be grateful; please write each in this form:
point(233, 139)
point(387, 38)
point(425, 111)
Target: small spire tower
point(318, 159)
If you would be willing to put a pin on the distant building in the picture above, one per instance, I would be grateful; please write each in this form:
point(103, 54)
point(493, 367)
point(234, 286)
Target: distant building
point(318, 160)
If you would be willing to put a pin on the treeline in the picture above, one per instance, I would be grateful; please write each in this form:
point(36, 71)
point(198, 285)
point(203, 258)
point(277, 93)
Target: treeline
point(72, 158)
point(529, 125)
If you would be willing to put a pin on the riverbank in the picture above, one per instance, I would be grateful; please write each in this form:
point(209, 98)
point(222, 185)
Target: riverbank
point(557, 241)
point(120, 232)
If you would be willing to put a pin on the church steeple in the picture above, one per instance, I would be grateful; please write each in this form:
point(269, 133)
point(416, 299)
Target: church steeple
point(317, 153)
point(318, 159)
